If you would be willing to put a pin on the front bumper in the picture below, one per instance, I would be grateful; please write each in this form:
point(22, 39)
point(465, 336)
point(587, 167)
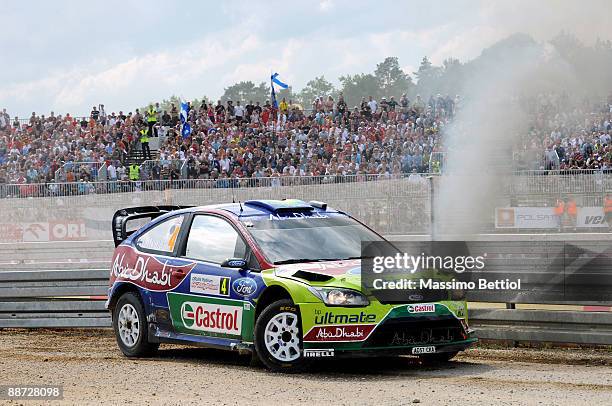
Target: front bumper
point(380, 329)
point(394, 351)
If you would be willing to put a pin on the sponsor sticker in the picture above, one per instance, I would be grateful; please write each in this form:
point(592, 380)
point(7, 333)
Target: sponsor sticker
point(212, 318)
point(147, 271)
point(422, 308)
point(318, 353)
point(335, 318)
point(244, 286)
point(430, 349)
point(339, 333)
point(209, 284)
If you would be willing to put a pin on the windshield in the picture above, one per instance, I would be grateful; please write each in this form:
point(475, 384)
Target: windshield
point(309, 238)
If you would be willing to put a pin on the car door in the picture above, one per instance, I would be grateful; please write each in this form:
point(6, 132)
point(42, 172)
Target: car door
point(217, 299)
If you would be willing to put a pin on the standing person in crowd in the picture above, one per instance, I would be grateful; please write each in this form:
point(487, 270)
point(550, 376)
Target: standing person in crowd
point(144, 143)
point(95, 114)
point(238, 112)
point(134, 172)
point(559, 212)
point(151, 120)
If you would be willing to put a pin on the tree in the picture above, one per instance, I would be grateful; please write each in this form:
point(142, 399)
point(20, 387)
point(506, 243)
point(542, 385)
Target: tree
point(318, 86)
point(425, 69)
point(166, 104)
point(245, 92)
point(427, 78)
point(452, 77)
point(357, 86)
point(392, 80)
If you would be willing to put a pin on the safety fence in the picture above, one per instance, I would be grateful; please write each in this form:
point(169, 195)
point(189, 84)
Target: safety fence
point(81, 171)
point(158, 177)
point(389, 204)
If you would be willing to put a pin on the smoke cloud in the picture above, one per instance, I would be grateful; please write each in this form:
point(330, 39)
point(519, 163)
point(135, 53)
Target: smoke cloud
point(491, 118)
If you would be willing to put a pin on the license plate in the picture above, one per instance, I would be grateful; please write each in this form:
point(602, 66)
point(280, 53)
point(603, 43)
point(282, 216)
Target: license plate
point(424, 350)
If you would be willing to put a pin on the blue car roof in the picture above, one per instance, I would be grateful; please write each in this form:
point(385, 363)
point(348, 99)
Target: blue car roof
point(253, 208)
point(266, 207)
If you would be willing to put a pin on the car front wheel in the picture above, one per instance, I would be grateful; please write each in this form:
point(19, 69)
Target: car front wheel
point(130, 326)
point(278, 337)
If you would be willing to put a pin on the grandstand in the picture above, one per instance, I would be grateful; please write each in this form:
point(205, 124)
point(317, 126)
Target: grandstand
point(258, 141)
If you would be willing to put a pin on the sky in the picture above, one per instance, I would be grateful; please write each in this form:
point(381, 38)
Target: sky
point(67, 56)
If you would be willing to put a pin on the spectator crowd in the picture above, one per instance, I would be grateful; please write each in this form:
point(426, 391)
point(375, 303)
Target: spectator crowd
point(251, 140)
point(566, 134)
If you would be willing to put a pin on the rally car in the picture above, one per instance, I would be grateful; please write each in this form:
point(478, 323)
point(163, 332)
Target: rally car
point(279, 279)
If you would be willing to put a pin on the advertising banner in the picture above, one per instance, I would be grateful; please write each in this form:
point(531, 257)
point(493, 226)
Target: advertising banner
point(59, 230)
point(526, 217)
point(589, 217)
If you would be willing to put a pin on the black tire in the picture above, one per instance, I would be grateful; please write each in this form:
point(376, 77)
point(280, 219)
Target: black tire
point(269, 359)
point(435, 359)
point(140, 347)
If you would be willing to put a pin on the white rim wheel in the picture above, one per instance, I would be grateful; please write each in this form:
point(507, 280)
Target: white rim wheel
point(281, 337)
point(129, 325)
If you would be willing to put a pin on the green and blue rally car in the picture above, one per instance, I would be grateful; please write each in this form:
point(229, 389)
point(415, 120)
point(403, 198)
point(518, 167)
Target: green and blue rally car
point(280, 279)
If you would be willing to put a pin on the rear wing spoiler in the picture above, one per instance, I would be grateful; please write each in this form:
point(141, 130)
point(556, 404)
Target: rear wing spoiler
point(123, 216)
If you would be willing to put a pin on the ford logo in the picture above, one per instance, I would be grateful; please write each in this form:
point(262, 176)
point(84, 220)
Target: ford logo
point(244, 286)
point(415, 298)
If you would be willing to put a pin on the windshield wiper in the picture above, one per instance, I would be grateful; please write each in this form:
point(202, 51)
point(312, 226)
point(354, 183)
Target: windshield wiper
point(298, 260)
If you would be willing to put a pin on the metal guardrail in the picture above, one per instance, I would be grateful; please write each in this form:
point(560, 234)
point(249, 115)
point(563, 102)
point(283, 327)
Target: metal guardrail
point(27, 301)
point(543, 326)
point(48, 299)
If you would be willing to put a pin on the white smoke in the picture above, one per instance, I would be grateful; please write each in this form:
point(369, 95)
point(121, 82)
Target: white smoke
point(489, 122)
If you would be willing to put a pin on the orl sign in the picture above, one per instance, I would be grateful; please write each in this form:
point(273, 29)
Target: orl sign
point(67, 230)
point(526, 217)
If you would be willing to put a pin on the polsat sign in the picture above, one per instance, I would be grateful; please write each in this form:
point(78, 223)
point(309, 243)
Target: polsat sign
point(545, 218)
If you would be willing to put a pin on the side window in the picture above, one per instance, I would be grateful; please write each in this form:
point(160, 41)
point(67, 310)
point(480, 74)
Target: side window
point(162, 237)
point(213, 239)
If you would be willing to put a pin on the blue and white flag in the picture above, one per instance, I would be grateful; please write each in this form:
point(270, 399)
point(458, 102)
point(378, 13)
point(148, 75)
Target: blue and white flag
point(274, 79)
point(185, 127)
point(186, 130)
point(184, 112)
point(273, 97)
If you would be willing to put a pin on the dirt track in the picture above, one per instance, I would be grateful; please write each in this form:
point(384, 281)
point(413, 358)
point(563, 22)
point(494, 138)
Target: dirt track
point(92, 371)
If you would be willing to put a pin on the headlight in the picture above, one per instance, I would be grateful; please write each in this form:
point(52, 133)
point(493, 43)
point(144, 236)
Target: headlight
point(341, 297)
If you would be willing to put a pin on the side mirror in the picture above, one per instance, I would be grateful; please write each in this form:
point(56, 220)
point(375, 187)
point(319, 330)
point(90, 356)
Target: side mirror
point(238, 263)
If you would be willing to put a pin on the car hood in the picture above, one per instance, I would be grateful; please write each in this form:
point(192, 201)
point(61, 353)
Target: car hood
point(343, 273)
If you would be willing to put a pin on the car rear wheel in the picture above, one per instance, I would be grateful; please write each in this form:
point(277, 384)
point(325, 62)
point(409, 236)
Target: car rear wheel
point(278, 337)
point(130, 325)
point(440, 358)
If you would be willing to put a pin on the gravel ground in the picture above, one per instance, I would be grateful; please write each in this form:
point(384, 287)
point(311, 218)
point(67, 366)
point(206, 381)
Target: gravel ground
point(93, 371)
